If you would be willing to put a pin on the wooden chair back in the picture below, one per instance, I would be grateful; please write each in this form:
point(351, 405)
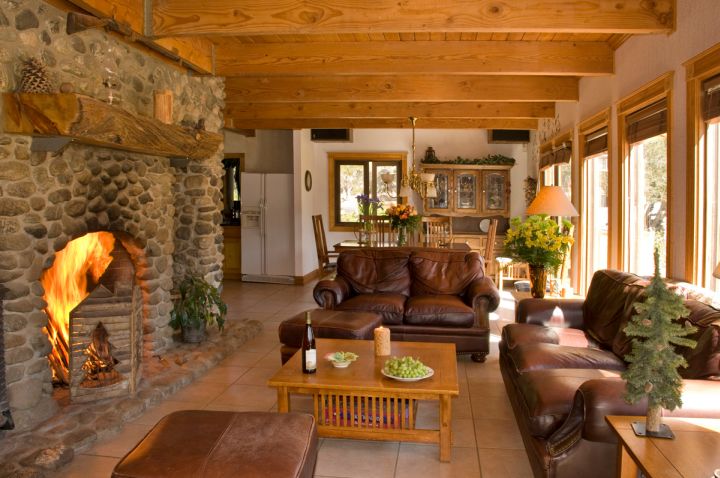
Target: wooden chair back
point(436, 230)
point(382, 233)
point(321, 243)
point(489, 255)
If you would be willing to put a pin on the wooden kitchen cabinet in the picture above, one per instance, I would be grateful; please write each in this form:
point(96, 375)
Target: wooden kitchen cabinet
point(467, 190)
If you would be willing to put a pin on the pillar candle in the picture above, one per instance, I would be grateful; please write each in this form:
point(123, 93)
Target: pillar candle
point(382, 341)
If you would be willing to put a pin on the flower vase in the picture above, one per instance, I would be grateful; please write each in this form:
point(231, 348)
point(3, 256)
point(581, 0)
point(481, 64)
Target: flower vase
point(538, 280)
point(402, 236)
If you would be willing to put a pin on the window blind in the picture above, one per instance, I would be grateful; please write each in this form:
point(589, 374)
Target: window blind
point(647, 122)
point(596, 142)
point(711, 99)
point(556, 156)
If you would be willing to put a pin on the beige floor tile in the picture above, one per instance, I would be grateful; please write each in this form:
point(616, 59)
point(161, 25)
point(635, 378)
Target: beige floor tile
point(257, 376)
point(242, 359)
point(416, 461)
point(223, 375)
point(357, 459)
point(270, 359)
point(225, 407)
point(496, 463)
point(461, 407)
point(491, 407)
point(463, 433)
point(154, 414)
point(493, 433)
point(200, 392)
point(488, 388)
point(123, 442)
point(253, 396)
point(87, 466)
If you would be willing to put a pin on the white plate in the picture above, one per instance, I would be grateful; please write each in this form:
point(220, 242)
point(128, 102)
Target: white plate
point(403, 379)
point(484, 225)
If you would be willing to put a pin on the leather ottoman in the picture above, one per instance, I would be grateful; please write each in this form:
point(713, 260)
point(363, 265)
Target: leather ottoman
point(213, 444)
point(327, 324)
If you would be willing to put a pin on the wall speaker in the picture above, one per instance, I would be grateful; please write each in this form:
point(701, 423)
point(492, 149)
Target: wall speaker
point(508, 136)
point(338, 135)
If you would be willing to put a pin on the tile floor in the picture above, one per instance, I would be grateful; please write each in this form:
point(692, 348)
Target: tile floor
point(486, 441)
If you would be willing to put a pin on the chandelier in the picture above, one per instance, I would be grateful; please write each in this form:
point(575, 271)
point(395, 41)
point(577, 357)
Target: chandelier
point(422, 183)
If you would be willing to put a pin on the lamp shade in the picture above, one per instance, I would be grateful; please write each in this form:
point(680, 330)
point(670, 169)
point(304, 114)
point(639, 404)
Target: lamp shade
point(717, 271)
point(551, 200)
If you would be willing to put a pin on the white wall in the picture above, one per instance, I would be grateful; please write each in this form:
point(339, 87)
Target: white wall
point(448, 144)
point(269, 151)
point(637, 62)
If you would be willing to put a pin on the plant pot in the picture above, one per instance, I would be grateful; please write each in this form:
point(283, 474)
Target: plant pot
point(193, 335)
point(538, 281)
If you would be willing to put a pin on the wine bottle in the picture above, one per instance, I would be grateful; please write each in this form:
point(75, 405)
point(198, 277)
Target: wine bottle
point(309, 352)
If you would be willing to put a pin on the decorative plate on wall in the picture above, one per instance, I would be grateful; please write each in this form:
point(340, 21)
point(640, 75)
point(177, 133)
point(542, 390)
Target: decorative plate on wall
point(484, 225)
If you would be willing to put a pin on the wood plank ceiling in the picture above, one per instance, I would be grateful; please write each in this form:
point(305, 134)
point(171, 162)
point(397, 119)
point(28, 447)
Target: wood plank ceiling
point(374, 63)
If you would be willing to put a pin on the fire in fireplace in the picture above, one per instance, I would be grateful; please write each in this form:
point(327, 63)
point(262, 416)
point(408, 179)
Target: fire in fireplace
point(93, 308)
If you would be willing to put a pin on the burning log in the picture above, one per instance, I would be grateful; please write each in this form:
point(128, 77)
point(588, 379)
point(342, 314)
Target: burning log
point(100, 365)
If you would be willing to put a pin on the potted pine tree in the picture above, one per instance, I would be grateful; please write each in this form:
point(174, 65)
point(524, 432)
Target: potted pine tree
point(654, 363)
point(199, 305)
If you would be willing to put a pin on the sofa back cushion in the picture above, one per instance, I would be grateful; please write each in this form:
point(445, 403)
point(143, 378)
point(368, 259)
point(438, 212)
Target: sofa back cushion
point(703, 360)
point(609, 305)
point(444, 272)
point(371, 271)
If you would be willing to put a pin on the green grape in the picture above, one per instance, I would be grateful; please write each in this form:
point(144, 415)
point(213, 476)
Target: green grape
point(405, 367)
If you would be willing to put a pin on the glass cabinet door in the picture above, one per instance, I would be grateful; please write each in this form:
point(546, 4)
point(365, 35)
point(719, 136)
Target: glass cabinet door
point(466, 191)
point(441, 203)
point(495, 192)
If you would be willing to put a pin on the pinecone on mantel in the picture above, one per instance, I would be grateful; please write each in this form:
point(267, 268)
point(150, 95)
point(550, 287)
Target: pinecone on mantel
point(34, 77)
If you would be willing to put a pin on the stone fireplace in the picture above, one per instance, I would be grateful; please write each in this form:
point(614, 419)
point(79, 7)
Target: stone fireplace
point(163, 213)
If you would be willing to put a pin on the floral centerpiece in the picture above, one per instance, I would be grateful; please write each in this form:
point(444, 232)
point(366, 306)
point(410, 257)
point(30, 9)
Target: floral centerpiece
point(403, 217)
point(540, 242)
point(367, 206)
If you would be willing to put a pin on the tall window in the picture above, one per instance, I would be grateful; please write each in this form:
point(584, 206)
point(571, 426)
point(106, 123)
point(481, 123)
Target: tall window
point(595, 188)
point(646, 188)
point(353, 174)
point(555, 163)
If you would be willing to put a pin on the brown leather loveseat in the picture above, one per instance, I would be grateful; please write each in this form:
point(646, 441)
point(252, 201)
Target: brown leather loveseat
point(422, 295)
point(561, 366)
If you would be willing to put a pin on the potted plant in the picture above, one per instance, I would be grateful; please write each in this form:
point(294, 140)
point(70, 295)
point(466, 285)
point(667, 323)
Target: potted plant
point(199, 305)
point(653, 362)
point(540, 242)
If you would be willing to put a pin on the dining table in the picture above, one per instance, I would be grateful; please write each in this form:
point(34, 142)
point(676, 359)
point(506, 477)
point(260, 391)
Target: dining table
point(354, 245)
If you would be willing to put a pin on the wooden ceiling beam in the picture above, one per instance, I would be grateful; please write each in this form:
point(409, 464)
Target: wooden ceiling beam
point(416, 57)
point(403, 88)
point(390, 110)
point(422, 123)
point(260, 17)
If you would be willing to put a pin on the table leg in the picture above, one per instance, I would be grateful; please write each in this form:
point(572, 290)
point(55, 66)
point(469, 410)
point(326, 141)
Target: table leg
point(283, 399)
point(627, 468)
point(445, 429)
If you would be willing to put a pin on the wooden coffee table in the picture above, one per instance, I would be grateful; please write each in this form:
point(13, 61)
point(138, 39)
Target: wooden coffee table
point(359, 402)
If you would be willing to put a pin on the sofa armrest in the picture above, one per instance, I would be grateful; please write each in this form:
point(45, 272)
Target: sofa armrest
point(597, 398)
point(483, 288)
point(329, 293)
point(551, 312)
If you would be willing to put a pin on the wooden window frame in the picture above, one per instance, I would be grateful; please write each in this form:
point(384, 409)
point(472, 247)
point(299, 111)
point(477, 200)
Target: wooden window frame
point(552, 145)
point(697, 69)
point(656, 90)
point(588, 126)
point(360, 158)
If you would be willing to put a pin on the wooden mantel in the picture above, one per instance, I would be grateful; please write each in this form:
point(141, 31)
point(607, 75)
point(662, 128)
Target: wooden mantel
point(90, 121)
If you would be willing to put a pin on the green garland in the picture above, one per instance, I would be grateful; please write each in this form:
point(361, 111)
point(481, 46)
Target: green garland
point(491, 159)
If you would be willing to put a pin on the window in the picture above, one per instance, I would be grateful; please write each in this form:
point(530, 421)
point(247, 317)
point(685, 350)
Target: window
point(703, 186)
point(555, 159)
point(595, 196)
point(353, 174)
point(643, 126)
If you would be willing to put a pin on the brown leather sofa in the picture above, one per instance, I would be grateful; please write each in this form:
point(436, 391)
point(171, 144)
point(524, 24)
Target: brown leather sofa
point(422, 295)
point(561, 366)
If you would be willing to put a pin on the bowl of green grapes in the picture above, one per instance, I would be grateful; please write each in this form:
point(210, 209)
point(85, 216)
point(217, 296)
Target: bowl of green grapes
point(406, 369)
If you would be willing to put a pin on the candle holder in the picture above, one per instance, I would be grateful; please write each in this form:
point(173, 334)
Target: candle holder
point(382, 341)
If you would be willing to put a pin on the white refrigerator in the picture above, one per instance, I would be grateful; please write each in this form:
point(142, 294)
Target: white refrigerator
point(267, 221)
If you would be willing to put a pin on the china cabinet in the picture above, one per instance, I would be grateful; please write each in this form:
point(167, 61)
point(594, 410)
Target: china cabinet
point(465, 189)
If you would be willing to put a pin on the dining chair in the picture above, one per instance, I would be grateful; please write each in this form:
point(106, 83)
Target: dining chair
point(489, 254)
point(324, 255)
point(436, 230)
point(382, 232)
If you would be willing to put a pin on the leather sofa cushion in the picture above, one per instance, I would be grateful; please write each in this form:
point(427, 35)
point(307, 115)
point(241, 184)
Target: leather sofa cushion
point(443, 273)
point(528, 357)
point(547, 396)
point(329, 324)
point(609, 305)
point(373, 271)
point(515, 334)
point(444, 310)
point(391, 307)
point(214, 444)
point(703, 360)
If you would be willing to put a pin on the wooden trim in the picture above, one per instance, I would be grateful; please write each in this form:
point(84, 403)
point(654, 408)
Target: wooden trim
point(698, 69)
point(585, 127)
point(654, 91)
point(394, 123)
point(360, 156)
point(310, 276)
